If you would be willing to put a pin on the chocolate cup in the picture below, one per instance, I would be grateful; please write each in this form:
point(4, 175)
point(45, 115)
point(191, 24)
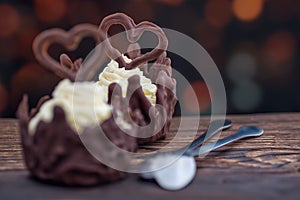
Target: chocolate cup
point(56, 154)
point(160, 73)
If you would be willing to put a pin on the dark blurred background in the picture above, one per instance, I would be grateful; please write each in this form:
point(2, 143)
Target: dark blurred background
point(255, 44)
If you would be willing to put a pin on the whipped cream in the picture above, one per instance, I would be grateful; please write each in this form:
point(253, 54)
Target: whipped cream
point(83, 102)
point(113, 74)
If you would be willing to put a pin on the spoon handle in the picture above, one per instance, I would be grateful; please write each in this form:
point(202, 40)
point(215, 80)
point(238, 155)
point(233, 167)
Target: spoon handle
point(214, 127)
point(243, 132)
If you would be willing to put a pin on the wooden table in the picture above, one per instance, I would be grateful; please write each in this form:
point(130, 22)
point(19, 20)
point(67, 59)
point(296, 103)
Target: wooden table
point(267, 167)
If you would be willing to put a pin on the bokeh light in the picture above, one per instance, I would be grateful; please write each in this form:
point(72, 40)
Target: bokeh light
point(247, 10)
point(277, 59)
point(50, 10)
point(28, 31)
point(33, 80)
point(25, 40)
point(196, 97)
point(246, 96)
point(279, 47)
point(218, 12)
point(9, 20)
point(3, 98)
point(241, 66)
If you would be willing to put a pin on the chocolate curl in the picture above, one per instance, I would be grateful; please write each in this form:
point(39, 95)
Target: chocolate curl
point(150, 119)
point(134, 32)
point(69, 40)
point(66, 62)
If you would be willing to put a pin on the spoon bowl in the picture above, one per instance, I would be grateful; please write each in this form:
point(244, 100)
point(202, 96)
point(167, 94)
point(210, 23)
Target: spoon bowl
point(175, 174)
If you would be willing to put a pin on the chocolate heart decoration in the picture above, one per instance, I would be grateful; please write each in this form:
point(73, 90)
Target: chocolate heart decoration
point(70, 40)
point(133, 32)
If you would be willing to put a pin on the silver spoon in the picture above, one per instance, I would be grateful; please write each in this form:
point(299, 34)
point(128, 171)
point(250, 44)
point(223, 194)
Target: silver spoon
point(214, 127)
point(182, 171)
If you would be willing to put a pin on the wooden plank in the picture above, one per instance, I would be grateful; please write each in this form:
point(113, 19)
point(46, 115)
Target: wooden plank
point(278, 150)
point(11, 157)
point(17, 185)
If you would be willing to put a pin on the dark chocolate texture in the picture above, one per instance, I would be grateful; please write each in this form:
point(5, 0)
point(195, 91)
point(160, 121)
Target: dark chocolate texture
point(160, 73)
point(56, 154)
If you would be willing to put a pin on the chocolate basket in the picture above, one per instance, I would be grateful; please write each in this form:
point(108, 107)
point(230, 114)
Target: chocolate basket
point(55, 152)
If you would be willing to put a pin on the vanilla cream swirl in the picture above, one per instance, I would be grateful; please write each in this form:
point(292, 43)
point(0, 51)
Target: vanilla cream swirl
point(83, 102)
point(113, 74)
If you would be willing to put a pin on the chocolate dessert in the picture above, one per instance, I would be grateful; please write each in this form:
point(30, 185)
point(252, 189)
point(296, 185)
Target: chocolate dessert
point(132, 103)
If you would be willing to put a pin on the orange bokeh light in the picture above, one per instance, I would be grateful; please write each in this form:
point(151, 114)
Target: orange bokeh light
point(3, 98)
point(196, 97)
point(27, 33)
point(218, 12)
point(25, 40)
point(33, 80)
point(9, 20)
point(247, 10)
point(50, 10)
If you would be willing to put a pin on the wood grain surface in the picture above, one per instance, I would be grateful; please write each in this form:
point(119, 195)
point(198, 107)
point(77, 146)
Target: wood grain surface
point(267, 167)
